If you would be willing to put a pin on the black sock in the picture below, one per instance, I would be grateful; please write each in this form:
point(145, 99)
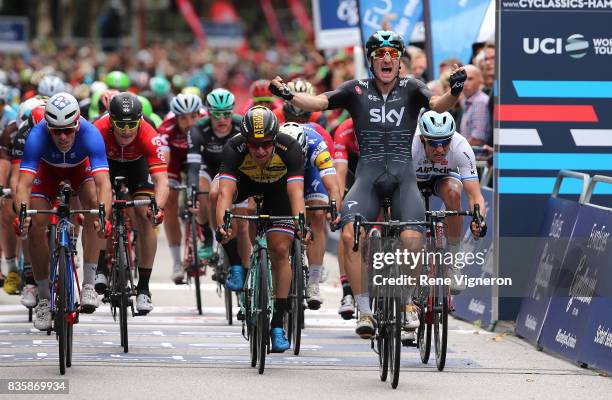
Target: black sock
point(231, 248)
point(280, 307)
point(28, 275)
point(143, 279)
point(207, 233)
point(346, 286)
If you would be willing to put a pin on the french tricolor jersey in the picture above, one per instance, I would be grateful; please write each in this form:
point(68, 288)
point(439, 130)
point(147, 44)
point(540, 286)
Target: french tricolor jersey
point(460, 161)
point(88, 144)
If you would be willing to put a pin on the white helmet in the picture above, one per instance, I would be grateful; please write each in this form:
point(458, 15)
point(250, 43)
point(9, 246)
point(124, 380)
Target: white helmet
point(435, 126)
point(25, 108)
point(50, 85)
point(298, 86)
point(62, 111)
point(297, 132)
point(185, 103)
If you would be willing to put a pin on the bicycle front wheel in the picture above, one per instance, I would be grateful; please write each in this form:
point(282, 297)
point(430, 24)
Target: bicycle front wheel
point(440, 326)
point(263, 320)
point(379, 308)
point(61, 324)
point(297, 299)
point(228, 306)
point(122, 270)
point(195, 268)
point(394, 335)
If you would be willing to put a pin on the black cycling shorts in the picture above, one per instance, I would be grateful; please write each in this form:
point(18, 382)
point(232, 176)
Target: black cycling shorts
point(138, 180)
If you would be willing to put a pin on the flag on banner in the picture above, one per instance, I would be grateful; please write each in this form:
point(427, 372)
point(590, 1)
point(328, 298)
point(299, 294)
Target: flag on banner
point(454, 25)
point(403, 16)
point(300, 14)
point(273, 23)
point(188, 13)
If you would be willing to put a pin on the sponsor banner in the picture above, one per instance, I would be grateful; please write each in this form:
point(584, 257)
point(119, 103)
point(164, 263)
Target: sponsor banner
point(459, 19)
point(336, 23)
point(224, 35)
point(562, 5)
point(596, 350)
point(585, 264)
point(475, 303)
point(13, 34)
point(556, 231)
point(403, 15)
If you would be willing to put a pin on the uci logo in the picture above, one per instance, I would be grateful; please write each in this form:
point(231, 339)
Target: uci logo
point(575, 45)
point(381, 115)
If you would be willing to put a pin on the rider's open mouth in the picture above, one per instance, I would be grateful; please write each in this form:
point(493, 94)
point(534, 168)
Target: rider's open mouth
point(387, 69)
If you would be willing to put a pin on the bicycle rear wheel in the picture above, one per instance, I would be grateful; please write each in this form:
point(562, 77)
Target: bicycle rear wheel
point(424, 336)
point(379, 309)
point(195, 267)
point(263, 320)
point(122, 270)
point(228, 306)
point(61, 324)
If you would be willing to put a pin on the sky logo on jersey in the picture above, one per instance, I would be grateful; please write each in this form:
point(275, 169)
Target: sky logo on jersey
point(381, 115)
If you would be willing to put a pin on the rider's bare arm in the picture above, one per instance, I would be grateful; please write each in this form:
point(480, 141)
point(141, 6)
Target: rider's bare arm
point(295, 190)
point(162, 190)
point(227, 189)
point(474, 196)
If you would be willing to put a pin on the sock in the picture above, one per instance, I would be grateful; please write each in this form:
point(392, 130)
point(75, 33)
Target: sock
point(44, 292)
point(346, 286)
point(175, 251)
point(207, 233)
point(314, 273)
point(231, 248)
point(89, 273)
point(143, 278)
point(363, 302)
point(28, 275)
point(280, 307)
point(12, 264)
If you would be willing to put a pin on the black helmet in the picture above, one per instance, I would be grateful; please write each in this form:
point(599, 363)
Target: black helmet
point(259, 123)
point(125, 107)
point(384, 39)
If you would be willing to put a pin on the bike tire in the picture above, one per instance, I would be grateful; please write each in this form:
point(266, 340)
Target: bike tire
point(60, 310)
point(424, 337)
point(195, 259)
point(394, 336)
point(228, 306)
point(378, 307)
point(248, 298)
point(297, 308)
point(441, 330)
point(123, 295)
point(263, 320)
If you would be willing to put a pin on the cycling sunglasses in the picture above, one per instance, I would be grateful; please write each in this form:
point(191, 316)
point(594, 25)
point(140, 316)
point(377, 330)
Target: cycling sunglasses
point(264, 145)
point(125, 124)
point(438, 143)
point(62, 131)
point(383, 51)
point(221, 114)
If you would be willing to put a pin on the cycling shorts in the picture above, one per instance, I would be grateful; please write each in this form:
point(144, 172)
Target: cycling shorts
point(138, 180)
point(48, 178)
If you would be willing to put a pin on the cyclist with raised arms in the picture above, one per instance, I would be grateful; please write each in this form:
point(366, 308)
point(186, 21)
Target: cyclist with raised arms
point(384, 110)
point(64, 147)
point(319, 184)
point(186, 110)
point(206, 141)
point(263, 161)
point(445, 165)
point(134, 151)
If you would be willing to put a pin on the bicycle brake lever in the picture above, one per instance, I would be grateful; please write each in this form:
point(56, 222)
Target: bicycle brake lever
point(356, 232)
point(334, 215)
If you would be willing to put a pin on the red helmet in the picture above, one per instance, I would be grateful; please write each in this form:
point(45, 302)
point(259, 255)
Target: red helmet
point(260, 91)
point(38, 114)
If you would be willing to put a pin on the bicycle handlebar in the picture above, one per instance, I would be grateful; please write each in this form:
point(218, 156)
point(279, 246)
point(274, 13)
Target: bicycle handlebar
point(301, 219)
point(331, 208)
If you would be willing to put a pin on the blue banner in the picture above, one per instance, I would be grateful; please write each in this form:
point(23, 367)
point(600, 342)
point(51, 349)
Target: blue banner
point(475, 304)
point(555, 234)
point(455, 25)
point(402, 15)
point(336, 23)
point(13, 34)
point(585, 264)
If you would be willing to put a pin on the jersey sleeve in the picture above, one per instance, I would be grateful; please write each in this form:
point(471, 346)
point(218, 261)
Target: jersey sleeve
point(342, 95)
point(152, 149)
point(294, 160)
point(33, 149)
point(325, 135)
point(232, 157)
point(96, 149)
point(421, 94)
point(466, 161)
point(342, 139)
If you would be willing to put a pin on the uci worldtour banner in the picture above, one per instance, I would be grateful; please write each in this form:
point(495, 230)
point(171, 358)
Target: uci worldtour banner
point(552, 113)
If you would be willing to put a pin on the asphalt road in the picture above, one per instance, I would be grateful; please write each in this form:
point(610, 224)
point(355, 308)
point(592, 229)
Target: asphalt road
point(175, 353)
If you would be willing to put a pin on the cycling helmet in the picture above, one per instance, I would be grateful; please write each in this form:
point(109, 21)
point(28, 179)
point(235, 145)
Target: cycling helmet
point(298, 86)
point(147, 108)
point(105, 99)
point(435, 126)
point(384, 39)
point(185, 104)
point(193, 90)
point(296, 131)
point(117, 80)
point(25, 108)
point(159, 86)
point(220, 100)
point(38, 114)
point(62, 111)
point(259, 124)
point(125, 107)
point(261, 92)
point(178, 81)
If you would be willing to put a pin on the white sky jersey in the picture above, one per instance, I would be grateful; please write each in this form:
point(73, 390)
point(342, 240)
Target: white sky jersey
point(460, 161)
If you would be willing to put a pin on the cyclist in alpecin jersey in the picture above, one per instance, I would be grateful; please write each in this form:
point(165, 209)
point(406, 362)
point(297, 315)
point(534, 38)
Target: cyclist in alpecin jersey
point(384, 111)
